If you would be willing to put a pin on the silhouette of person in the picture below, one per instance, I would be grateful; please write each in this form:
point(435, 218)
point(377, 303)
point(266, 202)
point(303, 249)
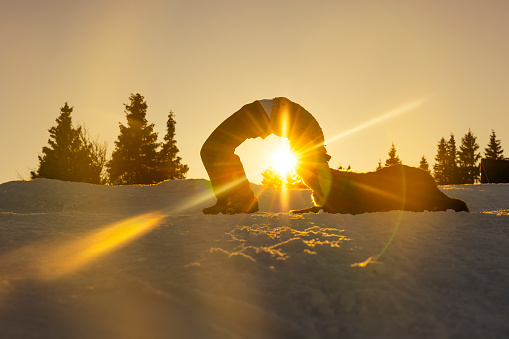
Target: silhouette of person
point(261, 118)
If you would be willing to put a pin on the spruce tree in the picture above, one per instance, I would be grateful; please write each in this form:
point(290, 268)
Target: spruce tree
point(271, 177)
point(169, 161)
point(293, 180)
point(451, 165)
point(494, 149)
point(423, 164)
point(393, 158)
point(134, 160)
point(439, 168)
point(70, 156)
point(379, 166)
point(468, 159)
point(91, 159)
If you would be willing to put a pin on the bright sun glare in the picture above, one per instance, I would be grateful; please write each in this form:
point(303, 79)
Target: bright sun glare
point(283, 160)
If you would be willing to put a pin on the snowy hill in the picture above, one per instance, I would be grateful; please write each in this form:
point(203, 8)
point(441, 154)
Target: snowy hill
point(85, 261)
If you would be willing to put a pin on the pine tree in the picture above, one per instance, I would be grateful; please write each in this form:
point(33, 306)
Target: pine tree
point(134, 160)
point(58, 159)
point(468, 159)
point(379, 167)
point(393, 158)
point(271, 178)
point(293, 180)
point(494, 149)
point(341, 168)
point(439, 168)
point(451, 165)
point(91, 158)
point(170, 166)
point(424, 164)
point(70, 156)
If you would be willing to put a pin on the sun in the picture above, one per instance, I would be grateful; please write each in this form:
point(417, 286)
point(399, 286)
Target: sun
point(283, 160)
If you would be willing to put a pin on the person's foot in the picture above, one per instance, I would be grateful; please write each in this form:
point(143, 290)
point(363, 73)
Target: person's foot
point(250, 206)
point(220, 207)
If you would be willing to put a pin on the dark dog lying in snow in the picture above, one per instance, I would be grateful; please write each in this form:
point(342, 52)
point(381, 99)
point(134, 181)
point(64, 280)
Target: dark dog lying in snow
point(391, 188)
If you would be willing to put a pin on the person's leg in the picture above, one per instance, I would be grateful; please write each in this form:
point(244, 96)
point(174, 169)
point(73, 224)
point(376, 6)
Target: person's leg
point(211, 155)
point(229, 182)
point(227, 175)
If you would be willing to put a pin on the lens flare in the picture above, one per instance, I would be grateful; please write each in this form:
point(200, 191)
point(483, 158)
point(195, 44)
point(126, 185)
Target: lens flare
point(388, 115)
point(283, 161)
point(76, 254)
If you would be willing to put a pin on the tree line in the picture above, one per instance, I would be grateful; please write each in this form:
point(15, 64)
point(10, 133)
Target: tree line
point(461, 166)
point(272, 178)
point(453, 166)
point(138, 158)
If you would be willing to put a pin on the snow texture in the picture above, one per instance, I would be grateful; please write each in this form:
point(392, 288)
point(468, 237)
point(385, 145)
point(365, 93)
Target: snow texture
point(85, 261)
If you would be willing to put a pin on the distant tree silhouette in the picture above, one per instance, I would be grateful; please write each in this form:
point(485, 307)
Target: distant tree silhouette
point(170, 167)
point(393, 158)
point(70, 155)
point(341, 168)
point(423, 164)
point(451, 164)
point(272, 178)
point(494, 150)
point(95, 157)
point(468, 159)
point(135, 160)
point(379, 167)
point(439, 168)
point(445, 170)
point(293, 180)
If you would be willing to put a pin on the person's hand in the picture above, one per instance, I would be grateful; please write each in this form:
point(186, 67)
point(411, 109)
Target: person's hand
point(314, 209)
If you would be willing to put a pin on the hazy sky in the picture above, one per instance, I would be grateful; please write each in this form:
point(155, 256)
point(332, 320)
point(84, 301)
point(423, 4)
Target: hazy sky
point(432, 67)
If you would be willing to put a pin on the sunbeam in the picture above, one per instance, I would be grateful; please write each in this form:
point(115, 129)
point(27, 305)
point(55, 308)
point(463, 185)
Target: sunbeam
point(195, 200)
point(391, 114)
point(73, 255)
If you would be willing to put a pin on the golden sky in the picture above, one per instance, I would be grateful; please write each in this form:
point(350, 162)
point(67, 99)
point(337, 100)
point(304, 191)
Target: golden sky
point(371, 72)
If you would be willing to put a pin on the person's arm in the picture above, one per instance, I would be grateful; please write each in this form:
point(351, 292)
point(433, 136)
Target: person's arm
point(324, 180)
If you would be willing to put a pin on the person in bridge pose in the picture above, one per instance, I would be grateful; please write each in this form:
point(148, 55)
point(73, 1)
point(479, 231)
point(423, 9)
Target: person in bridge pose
point(262, 118)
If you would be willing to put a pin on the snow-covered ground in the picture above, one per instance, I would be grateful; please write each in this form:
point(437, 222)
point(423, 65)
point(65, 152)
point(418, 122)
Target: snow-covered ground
point(85, 261)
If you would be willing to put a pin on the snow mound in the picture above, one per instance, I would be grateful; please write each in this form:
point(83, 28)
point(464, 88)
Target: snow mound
point(85, 261)
point(45, 195)
point(174, 196)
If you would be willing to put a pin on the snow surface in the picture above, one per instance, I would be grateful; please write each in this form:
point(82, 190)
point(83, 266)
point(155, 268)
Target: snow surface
point(85, 261)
